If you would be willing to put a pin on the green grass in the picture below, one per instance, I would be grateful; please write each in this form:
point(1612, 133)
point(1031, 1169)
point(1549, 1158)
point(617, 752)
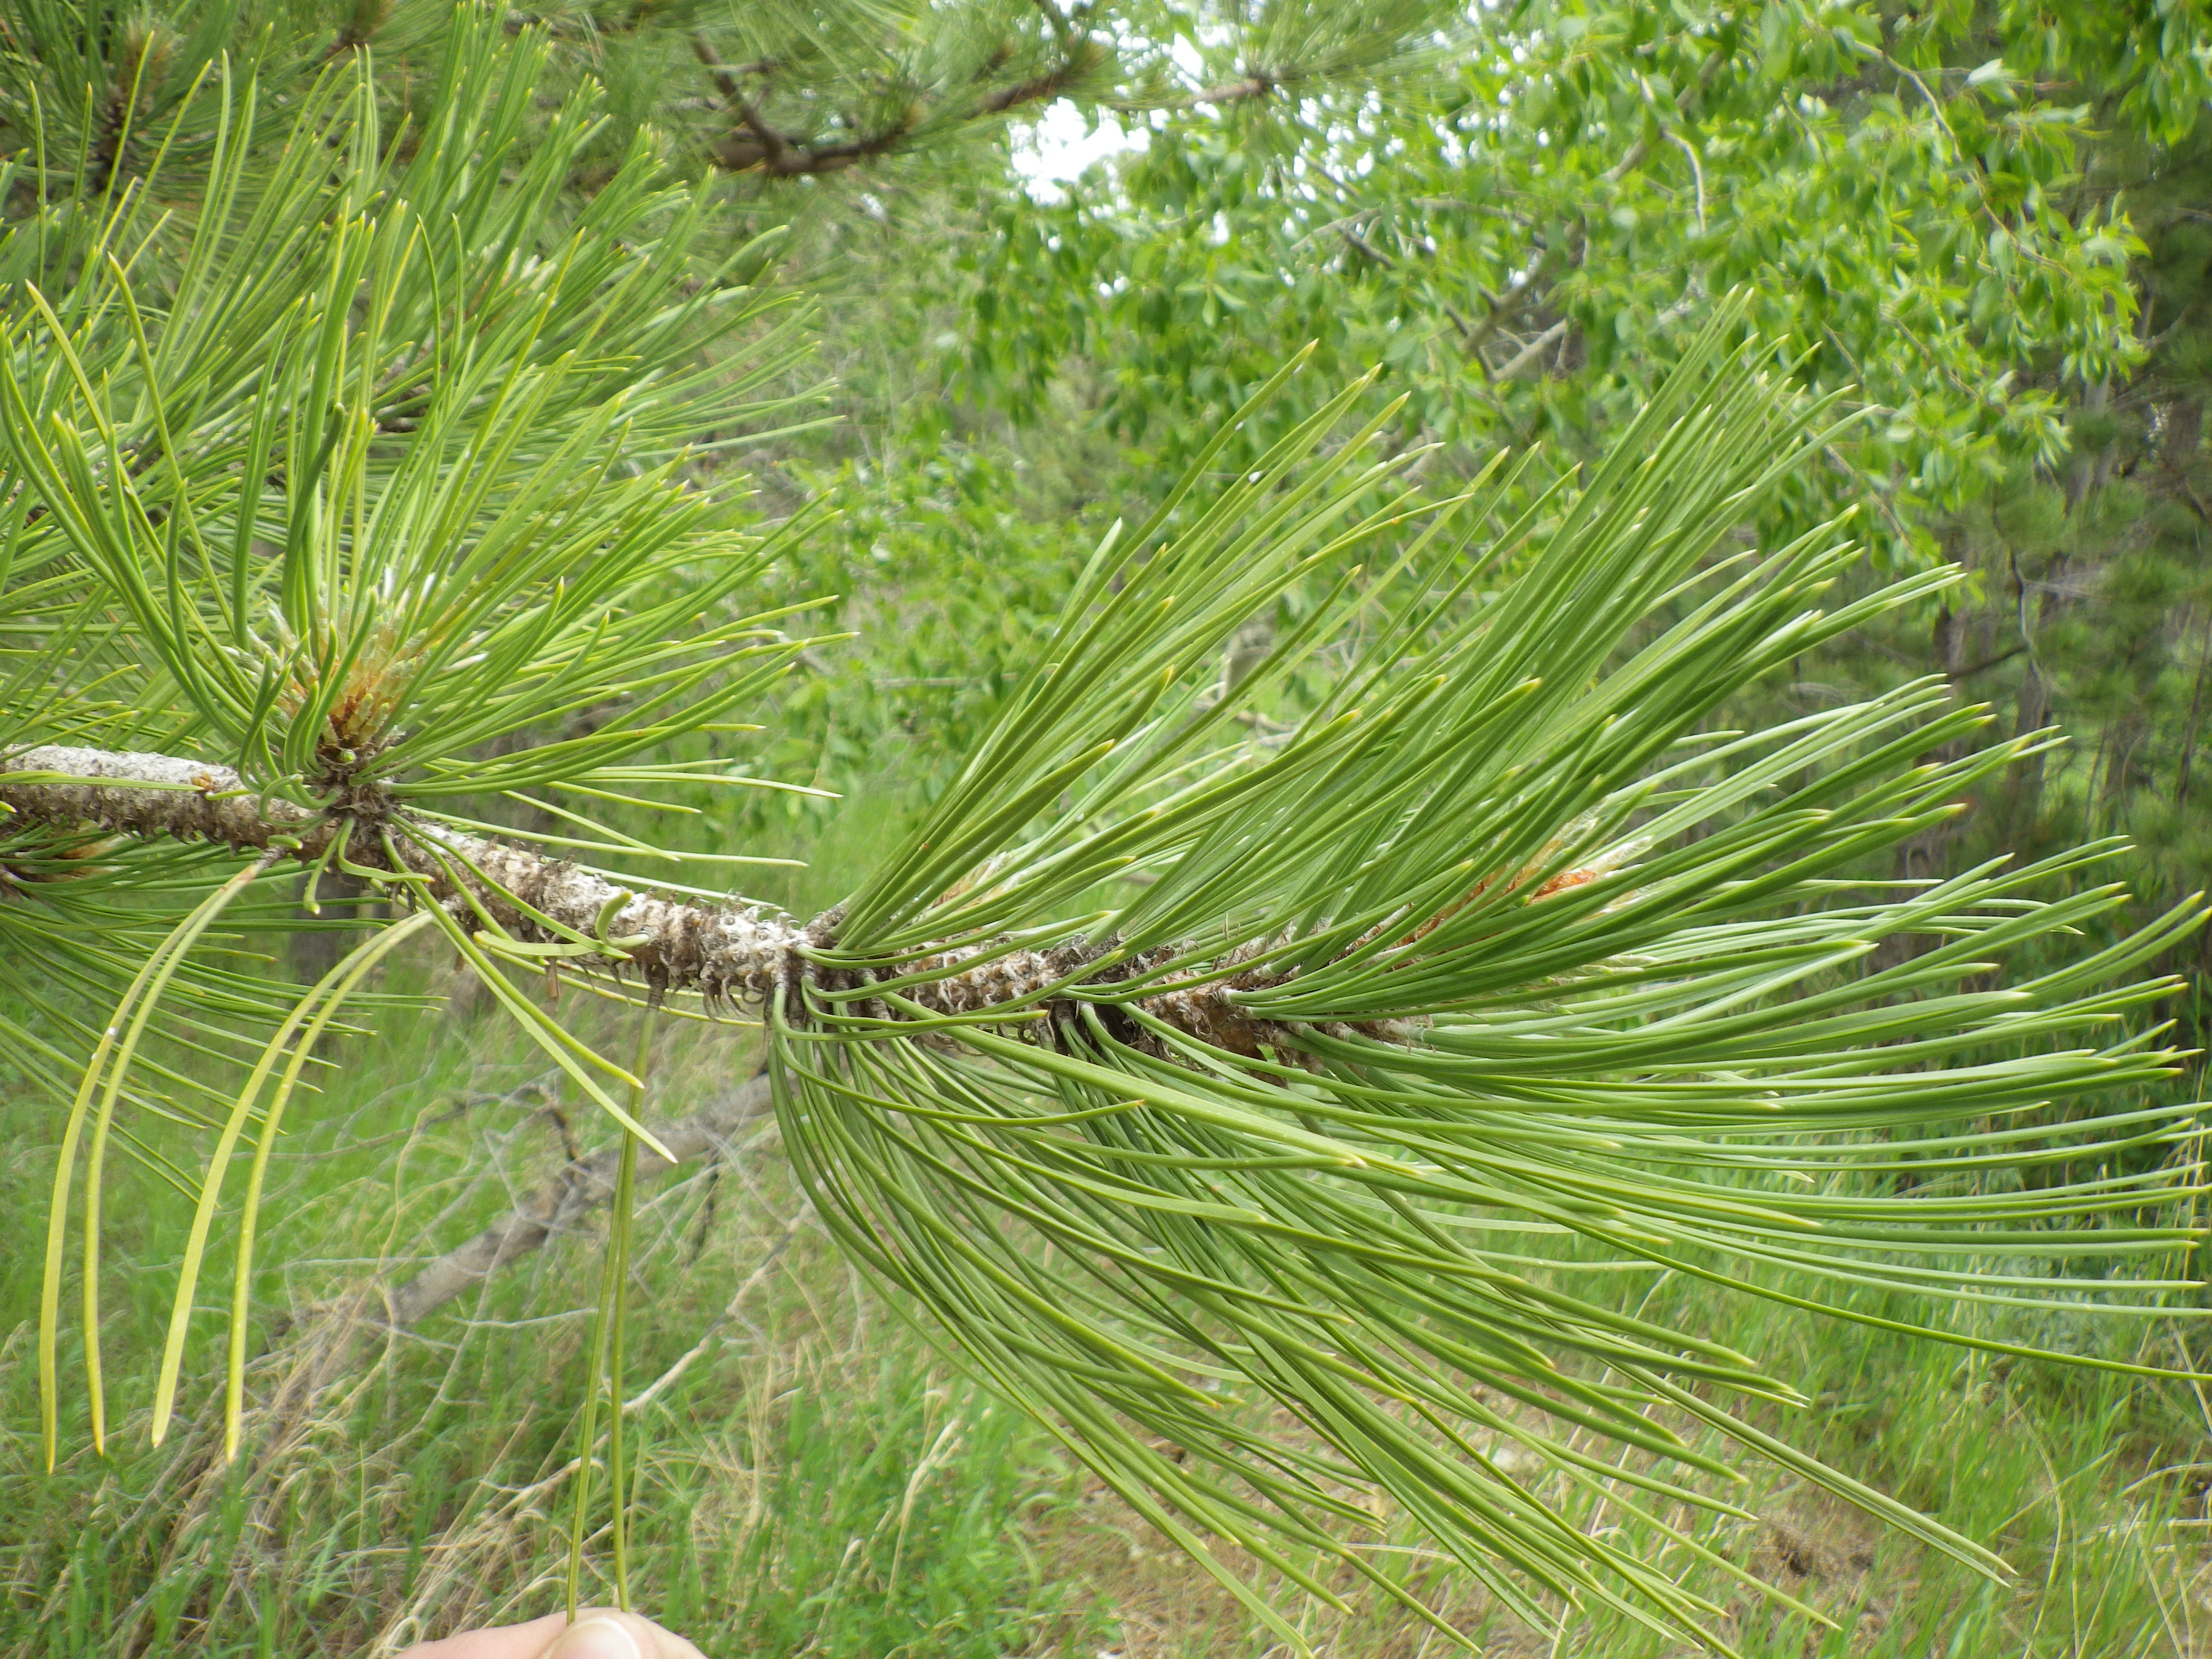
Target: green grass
point(2091, 1486)
point(818, 1481)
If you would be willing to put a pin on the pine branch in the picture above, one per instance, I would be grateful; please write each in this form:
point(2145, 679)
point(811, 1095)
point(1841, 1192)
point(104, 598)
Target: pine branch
point(729, 954)
point(1251, 88)
point(1242, 90)
point(1255, 85)
point(737, 955)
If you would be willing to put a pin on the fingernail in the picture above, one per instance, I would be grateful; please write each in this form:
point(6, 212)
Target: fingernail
point(595, 1638)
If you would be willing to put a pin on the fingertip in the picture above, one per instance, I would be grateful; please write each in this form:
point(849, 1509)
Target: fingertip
point(597, 1635)
point(606, 1633)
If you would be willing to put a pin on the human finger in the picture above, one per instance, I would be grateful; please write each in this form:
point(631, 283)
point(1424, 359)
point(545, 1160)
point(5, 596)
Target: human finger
point(597, 1633)
point(603, 1633)
point(528, 1641)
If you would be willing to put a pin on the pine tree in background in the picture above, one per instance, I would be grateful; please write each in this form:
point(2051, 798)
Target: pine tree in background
point(1201, 1062)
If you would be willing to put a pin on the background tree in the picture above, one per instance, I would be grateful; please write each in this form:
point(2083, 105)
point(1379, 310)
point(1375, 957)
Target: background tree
point(1982, 222)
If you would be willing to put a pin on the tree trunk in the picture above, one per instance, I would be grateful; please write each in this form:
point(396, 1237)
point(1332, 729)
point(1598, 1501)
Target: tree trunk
point(314, 951)
point(1926, 855)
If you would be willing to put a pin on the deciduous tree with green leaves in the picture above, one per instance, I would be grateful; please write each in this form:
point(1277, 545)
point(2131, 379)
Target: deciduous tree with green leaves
point(1208, 1062)
point(1529, 232)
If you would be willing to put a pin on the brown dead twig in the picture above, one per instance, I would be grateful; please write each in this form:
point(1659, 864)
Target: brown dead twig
point(581, 1185)
point(759, 147)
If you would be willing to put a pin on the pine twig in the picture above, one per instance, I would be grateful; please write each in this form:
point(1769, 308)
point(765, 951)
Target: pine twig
point(1249, 88)
point(732, 954)
point(1255, 85)
point(729, 953)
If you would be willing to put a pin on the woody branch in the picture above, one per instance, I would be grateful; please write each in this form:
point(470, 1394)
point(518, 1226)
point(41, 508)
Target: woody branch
point(735, 954)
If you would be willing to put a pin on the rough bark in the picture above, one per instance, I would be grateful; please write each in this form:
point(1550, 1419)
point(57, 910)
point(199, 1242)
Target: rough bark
point(732, 955)
point(1926, 855)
